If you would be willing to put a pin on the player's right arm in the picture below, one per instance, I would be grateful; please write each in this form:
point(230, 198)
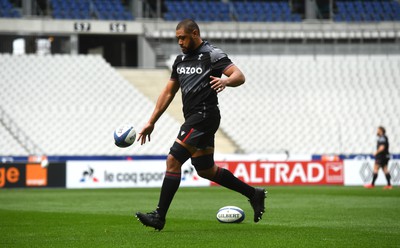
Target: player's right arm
point(163, 101)
point(381, 148)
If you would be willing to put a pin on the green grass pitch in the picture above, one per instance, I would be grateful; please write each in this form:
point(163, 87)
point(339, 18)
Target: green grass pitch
point(295, 217)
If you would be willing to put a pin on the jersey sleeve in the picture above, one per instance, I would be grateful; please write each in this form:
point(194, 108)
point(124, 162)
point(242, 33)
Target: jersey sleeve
point(382, 141)
point(220, 61)
point(222, 64)
point(174, 73)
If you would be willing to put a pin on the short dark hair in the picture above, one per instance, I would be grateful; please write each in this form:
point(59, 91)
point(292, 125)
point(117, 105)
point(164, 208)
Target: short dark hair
point(382, 129)
point(188, 25)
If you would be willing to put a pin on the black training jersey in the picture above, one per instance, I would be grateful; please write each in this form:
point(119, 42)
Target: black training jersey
point(383, 140)
point(193, 70)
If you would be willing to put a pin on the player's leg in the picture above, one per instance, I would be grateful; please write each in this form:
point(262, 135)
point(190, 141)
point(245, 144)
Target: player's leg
point(375, 173)
point(178, 155)
point(203, 161)
point(387, 175)
point(374, 176)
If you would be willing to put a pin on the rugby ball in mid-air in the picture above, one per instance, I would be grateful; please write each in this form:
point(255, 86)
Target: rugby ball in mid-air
point(124, 136)
point(230, 214)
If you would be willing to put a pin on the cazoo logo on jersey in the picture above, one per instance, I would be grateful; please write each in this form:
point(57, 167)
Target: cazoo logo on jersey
point(189, 70)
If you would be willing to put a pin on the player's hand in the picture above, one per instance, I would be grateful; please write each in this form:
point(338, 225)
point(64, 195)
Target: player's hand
point(218, 84)
point(146, 131)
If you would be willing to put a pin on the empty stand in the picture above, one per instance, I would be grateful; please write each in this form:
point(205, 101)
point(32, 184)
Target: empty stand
point(198, 10)
point(264, 11)
point(7, 10)
point(9, 145)
point(71, 9)
point(278, 11)
point(243, 11)
point(313, 104)
point(218, 10)
point(367, 11)
point(90, 9)
point(70, 105)
point(111, 10)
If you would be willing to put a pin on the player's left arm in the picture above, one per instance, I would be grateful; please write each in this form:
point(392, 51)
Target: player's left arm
point(234, 78)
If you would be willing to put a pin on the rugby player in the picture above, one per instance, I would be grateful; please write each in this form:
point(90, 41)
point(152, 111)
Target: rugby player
point(197, 73)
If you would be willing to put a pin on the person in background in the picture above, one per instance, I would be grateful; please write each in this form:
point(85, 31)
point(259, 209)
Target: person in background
point(382, 157)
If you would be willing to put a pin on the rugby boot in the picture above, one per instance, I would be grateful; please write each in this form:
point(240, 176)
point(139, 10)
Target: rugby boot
point(152, 219)
point(258, 203)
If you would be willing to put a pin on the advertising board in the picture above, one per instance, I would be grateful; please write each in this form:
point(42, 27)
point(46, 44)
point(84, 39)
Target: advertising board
point(125, 174)
point(19, 175)
point(287, 172)
point(359, 172)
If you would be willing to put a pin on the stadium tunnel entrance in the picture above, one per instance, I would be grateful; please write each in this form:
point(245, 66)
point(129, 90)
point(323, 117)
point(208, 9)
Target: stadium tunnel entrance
point(120, 51)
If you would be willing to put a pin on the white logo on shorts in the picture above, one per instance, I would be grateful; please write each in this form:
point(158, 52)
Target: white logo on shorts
point(182, 133)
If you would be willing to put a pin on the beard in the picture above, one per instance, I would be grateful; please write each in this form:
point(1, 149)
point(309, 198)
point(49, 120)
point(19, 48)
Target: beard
point(190, 47)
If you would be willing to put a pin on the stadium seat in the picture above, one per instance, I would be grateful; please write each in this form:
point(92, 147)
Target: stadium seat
point(198, 10)
point(243, 11)
point(9, 145)
point(7, 10)
point(374, 10)
point(88, 9)
point(70, 105)
point(326, 104)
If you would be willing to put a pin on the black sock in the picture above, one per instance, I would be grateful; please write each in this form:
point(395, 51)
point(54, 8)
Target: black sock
point(169, 187)
point(374, 177)
point(388, 179)
point(225, 178)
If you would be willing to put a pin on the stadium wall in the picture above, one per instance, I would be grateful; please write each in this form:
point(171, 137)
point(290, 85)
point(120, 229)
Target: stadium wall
point(148, 171)
point(233, 30)
point(154, 40)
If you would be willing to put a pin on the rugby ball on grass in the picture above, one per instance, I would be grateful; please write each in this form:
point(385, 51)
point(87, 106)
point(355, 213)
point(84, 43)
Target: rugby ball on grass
point(124, 136)
point(230, 214)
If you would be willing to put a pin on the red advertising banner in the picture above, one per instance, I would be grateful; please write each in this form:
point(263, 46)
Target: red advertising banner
point(287, 173)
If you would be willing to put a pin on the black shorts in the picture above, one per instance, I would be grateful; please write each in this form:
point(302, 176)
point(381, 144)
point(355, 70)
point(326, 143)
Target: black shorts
point(199, 129)
point(382, 161)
